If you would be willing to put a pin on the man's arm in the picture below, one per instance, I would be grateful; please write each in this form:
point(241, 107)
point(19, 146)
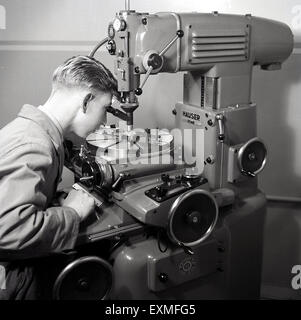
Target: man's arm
point(27, 227)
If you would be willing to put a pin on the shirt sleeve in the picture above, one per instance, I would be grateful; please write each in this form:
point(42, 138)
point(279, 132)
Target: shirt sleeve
point(27, 227)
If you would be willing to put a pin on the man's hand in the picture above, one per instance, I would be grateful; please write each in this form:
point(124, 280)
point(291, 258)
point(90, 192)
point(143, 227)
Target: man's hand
point(81, 202)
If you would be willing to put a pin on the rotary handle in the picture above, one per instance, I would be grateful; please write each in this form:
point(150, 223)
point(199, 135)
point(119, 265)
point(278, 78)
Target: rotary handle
point(179, 34)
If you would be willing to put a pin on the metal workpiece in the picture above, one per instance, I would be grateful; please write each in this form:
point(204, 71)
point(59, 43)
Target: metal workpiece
point(105, 175)
point(137, 146)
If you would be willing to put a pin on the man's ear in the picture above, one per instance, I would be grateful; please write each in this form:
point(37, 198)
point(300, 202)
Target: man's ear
point(89, 97)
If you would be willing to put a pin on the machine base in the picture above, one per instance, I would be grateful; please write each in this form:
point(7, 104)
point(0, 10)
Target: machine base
point(225, 266)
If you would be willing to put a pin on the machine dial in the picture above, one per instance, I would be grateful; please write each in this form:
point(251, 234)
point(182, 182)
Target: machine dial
point(119, 24)
point(111, 31)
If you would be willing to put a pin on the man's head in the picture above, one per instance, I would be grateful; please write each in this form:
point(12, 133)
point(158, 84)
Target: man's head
point(92, 84)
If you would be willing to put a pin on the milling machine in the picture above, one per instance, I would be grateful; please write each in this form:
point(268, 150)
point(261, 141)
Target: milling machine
point(176, 217)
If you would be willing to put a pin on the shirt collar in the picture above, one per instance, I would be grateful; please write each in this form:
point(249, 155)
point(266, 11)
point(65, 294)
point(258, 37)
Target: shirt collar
point(54, 120)
point(33, 113)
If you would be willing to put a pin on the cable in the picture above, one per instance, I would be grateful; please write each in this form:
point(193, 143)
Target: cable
point(100, 44)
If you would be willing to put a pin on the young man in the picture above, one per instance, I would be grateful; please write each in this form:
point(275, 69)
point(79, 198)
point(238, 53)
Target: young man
point(31, 163)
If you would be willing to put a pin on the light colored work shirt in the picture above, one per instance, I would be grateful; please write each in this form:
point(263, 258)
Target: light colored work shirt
point(31, 163)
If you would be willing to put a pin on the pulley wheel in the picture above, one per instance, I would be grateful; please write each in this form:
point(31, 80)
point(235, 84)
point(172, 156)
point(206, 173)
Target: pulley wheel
point(192, 217)
point(87, 278)
point(252, 156)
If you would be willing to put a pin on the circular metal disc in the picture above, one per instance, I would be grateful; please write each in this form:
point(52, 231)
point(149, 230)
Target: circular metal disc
point(87, 278)
point(252, 156)
point(116, 145)
point(192, 217)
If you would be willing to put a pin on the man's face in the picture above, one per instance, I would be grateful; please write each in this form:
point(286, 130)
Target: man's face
point(95, 115)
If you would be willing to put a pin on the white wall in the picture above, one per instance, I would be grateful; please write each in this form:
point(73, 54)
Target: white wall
point(35, 36)
point(86, 20)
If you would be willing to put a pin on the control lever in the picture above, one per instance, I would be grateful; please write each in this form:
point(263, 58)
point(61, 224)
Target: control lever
point(148, 72)
point(187, 249)
point(83, 179)
point(159, 57)
point(220, 120)
point(118, 181)
point(121, 177)
point(83, 152)
point(248, 173)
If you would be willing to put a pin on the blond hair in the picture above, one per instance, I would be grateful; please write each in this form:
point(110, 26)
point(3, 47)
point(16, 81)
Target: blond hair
point(85, 72)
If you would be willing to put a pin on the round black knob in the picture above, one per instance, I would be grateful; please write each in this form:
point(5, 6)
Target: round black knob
point(138, 91)
point(221, 137)
point(111, 47)
point(180, 33)
point(163, 277)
